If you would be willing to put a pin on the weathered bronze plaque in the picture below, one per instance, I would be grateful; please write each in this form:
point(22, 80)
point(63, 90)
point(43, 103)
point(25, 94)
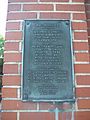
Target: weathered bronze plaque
point(47, 61)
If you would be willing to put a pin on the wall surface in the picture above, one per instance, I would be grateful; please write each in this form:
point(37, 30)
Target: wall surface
point(12, 106)
point(87, 6)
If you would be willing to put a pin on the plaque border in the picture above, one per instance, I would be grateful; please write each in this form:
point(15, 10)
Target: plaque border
point(72, 58)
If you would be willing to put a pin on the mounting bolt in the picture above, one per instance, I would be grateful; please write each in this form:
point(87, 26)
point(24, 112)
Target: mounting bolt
point(27, 23)
point(67, 22)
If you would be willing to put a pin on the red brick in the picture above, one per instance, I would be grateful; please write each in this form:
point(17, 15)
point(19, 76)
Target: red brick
point(9, 92)
point(84, 103)
point(11, 80)
point(21, 15)
point(78, 0)
point(14, 7)
point(51, 106)
point(71, 7)
point(88, 24)
point(55, 15)
point(82, 92)
point(54, 0)
point(20, 68)
point(87, 1)
point(10, 69)
point(81, 46)
point(83, 80)
point(27, 105)
point(37, 116)
point(80, 36)
point(89, 42)
point(10, 105)
point(13, 35)
point(65, 116)
point(9, 115)
point(88, 15)
point(22, 1)
point(13, 26)
point(87, 7)
point(11, 46)
point(79, 16)
point(82, 115)
point(17, 105)
point(79, 26)
point(12, 57)
point(82, 57)
point(38, 7)
point(82, 68)
point(45, 106)
point(88, 32)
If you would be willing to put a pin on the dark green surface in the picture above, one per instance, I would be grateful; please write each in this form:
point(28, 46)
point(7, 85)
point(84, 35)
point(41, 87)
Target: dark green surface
point(47, 61)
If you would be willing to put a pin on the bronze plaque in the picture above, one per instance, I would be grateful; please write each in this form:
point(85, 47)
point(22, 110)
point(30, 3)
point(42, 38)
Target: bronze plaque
point(47, 61)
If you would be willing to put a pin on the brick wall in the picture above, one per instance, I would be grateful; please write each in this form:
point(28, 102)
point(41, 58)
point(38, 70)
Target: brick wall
point(12, 106)
point(87, 6)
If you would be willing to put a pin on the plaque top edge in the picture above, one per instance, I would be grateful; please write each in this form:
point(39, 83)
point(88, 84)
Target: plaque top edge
point(47, 20)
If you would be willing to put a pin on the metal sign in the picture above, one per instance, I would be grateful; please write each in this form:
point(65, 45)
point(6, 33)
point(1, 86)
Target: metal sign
point(47, 61)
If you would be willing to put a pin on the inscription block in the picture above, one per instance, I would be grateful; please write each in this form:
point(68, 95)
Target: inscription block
point(47, 61)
